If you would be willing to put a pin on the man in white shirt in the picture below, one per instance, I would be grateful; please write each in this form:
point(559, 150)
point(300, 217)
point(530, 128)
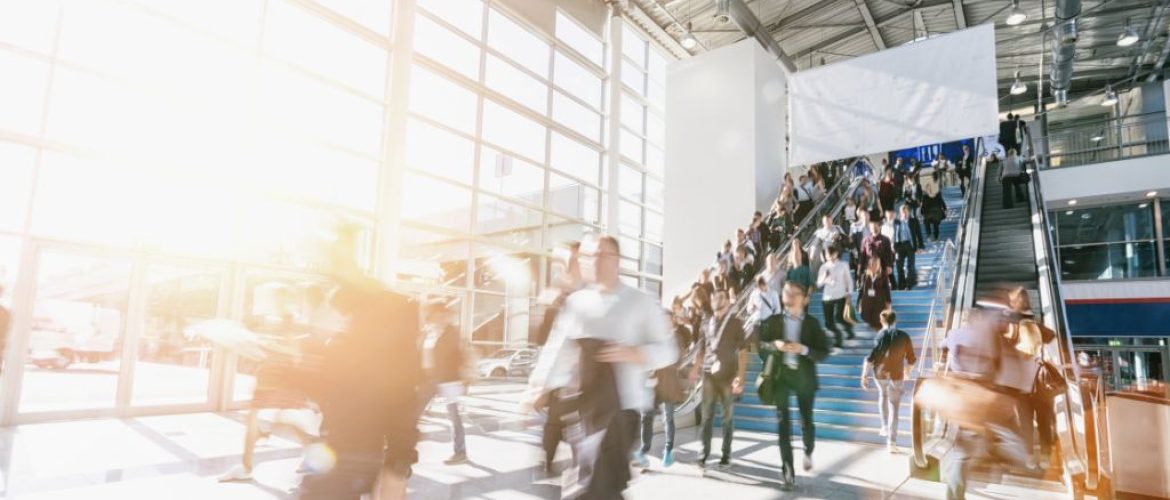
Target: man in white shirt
point(635, 339)
point(836, 287)
point(765, 301)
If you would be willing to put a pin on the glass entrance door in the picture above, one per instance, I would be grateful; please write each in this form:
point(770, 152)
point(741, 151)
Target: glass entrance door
point(1122, 366)
point(76, 339)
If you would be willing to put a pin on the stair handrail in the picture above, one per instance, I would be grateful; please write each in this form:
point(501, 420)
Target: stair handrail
point(1070, 405)
point(924, 428)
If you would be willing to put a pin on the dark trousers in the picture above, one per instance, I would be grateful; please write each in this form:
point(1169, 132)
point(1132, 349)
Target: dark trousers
point(802, 209)
point(964, 181)
point(355, 474)
point(932, 228)
point(1009, 187)
point(907, 274)
point(717, 392)
point(610, 472)
point(554, 428)
point(785, 384)
point(1036, 417)
point(834, 313)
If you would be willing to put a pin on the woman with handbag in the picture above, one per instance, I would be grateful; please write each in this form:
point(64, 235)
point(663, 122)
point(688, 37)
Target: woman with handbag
point(874, 295)
point(1035, 410)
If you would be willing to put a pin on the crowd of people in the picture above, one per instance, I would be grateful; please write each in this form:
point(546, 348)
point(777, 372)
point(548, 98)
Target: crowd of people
point(613, 361)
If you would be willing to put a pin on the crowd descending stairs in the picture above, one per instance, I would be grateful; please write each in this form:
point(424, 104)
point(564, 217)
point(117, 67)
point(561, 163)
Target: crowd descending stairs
point(843, 410)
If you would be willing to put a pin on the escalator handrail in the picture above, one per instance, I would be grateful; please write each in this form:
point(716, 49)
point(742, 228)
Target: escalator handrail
point(1053, 313)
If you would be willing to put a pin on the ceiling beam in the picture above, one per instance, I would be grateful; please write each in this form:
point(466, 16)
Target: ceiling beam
point(828, 42)
point(919, 24)
point(870, 24)
point(960, 17)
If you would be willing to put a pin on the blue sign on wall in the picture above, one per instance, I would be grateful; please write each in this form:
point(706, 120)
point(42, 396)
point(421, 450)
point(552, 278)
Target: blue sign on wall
point(927, 154)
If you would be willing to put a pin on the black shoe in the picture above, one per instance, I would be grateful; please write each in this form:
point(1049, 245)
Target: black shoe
point(787, 480)
point(852, 336)
point(724, 463)
point(701, 462)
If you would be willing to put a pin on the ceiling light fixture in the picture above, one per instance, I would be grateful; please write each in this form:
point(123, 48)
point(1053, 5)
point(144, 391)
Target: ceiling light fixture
point(1016, 15)
point(1110, 96)
point(1018, 87)
point(1129, 36)
point(722, 11)
point(688, 40)
point(1070, 212)
point(1098, 137)
point(1151, 194)
point(1143, 205)
point(1072, 202)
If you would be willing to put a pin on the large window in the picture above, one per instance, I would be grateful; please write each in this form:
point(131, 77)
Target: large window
point(1108, 242)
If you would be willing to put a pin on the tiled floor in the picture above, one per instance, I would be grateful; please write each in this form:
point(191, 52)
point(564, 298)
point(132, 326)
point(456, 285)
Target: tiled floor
point(179, 457)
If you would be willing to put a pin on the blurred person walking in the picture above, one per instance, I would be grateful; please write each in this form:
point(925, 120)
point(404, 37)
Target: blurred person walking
point(791, 345)
point(567, 276)
point(905, 251)
point(611, 338)
point(368, 385)
point(891, 357)
point(722, 357)
point(934, 210)
point(444, 362)
point(668, 393)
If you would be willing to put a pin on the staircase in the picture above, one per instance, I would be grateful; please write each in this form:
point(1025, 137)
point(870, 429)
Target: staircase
point(843, 410)
point(1007, 257)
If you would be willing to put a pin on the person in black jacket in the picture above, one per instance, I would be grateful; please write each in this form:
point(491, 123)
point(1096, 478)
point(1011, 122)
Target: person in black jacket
point(722, 357)
point(797, 343)
point(934, 210)
point(964, 165)
point(443, 360)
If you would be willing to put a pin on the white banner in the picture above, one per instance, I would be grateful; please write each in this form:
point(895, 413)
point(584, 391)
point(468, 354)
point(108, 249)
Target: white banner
point(928, 92)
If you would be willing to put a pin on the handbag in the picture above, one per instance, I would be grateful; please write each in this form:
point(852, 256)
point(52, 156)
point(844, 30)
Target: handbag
point(1049, 381)
point(669, 388)
point(965, 402)
point(847, 313)
point(765, 389)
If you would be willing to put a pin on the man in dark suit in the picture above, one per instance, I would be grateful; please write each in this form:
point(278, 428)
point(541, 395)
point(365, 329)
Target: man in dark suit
point(797, 342)
point(723, 358)
point(964, 165)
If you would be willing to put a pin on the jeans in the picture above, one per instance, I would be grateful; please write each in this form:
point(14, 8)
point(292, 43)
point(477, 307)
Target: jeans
point(834, 312)
point(805, 398)
point(458, 439)
point(906, 273)
point(1009, 187)
point(667, 410)
point(717, 392)
point(889, 398)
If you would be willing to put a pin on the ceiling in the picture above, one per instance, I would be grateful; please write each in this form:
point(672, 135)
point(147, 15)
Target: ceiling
point(815, 32)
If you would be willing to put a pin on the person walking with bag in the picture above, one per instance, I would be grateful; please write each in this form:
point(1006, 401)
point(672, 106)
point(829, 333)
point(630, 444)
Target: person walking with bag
point(668, 392)
point(1035, 410)
point(892, 356)
point(836, 291)
point(722, 357)
point(791, 345)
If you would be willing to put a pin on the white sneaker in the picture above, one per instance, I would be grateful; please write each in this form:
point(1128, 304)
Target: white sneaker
point(892, 448)
point(236, 473)
point(883, 432)
point(808, 463)
point(1031, 462)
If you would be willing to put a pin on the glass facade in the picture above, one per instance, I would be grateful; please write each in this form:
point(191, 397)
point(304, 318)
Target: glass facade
point(1113, 241)
point(148, 186)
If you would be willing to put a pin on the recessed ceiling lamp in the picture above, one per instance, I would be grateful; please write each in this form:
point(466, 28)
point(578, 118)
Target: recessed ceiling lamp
point(1151, 194)
point(1129, 36)
point(722, 11)
point(1070, 212)
point(1016, 15)
point(1110, 96)
point(1072, 202)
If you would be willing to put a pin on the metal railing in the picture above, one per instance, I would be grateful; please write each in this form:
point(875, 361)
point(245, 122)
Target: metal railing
point(1107, 140)
point(1079, 450)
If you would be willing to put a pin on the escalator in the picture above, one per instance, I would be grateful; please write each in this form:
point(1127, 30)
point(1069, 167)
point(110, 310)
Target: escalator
point(1008, 248)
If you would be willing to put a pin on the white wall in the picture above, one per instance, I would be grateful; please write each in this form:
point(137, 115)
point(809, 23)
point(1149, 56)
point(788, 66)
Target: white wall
point(1123, 289)
point(929, 92)
point(724, 153)
point(1115, 180)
